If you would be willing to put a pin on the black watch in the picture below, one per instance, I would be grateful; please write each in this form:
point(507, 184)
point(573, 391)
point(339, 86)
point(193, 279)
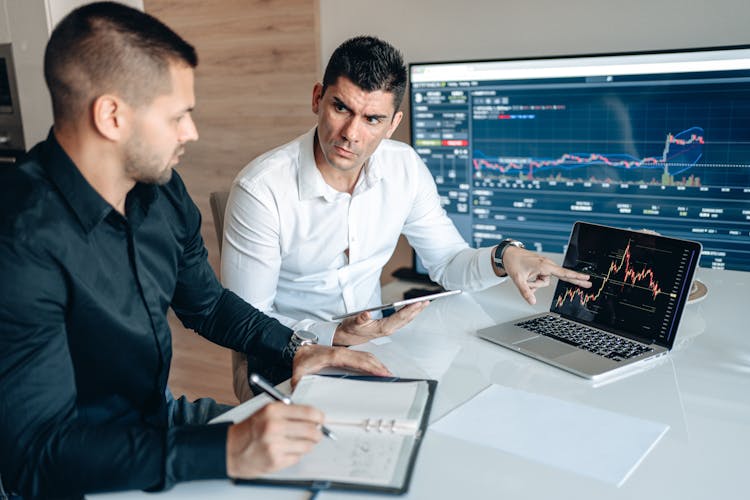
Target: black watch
point(297, 340)
point(497, 255)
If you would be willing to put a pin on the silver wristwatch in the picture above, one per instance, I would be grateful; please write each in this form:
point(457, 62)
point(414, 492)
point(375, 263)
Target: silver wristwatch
point(297, 340)
point(497, 255)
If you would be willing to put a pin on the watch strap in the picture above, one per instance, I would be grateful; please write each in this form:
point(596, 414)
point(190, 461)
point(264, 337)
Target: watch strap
point(297, 340)
point(497, 256)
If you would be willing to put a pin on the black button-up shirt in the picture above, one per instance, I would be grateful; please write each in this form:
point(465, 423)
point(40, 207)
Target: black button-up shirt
point(85, 347)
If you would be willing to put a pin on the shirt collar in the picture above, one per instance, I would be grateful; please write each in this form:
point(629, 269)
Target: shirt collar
point(88, 205)
point(310, 182)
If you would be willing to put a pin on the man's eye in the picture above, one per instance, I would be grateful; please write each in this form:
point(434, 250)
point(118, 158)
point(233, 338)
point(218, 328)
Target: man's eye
point(373, 120)
point(339, 107)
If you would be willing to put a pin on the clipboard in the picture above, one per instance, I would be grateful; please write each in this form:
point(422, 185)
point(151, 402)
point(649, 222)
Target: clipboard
point(401, 438)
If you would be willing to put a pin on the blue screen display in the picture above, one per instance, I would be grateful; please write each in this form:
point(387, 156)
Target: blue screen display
point(524, 148)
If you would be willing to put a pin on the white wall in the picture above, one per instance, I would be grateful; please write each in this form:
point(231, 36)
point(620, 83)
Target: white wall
point(444, 30)
point(429, 30)
point(27, 24)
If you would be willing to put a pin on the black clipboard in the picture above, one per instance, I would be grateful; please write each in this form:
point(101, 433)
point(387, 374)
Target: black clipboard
point(322, 485)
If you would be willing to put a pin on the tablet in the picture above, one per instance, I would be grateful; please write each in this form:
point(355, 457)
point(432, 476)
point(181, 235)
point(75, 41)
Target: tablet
point(400, 303)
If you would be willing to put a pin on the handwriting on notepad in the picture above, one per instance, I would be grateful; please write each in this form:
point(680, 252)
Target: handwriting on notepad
point(372, 458)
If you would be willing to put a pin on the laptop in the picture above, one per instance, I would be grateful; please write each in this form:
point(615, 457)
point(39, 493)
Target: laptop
point(640, 284)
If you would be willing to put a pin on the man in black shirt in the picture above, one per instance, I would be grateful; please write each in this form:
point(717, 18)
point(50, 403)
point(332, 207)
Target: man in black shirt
point(98, 238)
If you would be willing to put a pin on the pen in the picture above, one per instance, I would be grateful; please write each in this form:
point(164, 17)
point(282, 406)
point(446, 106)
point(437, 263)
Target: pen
point(264, 384)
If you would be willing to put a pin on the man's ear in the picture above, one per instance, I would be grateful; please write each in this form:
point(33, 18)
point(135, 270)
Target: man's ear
point(317, 95)
point(394, 124)
point(111, 117)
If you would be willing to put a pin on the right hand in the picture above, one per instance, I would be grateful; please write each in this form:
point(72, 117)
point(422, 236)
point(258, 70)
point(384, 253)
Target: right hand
point(531, 271)
point(273, 438)
point(362, 328)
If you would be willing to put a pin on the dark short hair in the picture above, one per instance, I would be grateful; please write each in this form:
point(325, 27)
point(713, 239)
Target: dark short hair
point(107, 47)
point(371, 64)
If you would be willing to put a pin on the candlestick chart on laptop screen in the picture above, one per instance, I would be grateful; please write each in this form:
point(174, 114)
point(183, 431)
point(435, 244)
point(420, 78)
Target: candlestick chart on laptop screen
point(637, 281)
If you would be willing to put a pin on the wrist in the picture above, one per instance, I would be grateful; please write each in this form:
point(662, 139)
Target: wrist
point(297, 340)
point(500, 253)
point(339, 335)
point(232, 466)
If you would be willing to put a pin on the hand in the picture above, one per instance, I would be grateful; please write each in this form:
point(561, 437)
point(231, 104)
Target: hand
point(362, 328)
point(313, 358)
point(273, 438)
point(530, 271)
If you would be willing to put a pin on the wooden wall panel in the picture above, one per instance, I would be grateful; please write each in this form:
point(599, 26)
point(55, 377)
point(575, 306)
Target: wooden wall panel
point(258, 62)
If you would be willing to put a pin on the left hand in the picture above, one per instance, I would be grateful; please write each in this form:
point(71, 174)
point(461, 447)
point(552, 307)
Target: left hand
point(313, 358)
point(362, 328)
point(530, 271)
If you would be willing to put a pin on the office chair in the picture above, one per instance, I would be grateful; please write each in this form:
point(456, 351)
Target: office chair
point(218, 202)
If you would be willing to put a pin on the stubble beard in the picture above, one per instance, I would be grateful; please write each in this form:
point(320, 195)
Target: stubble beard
point(144, 166)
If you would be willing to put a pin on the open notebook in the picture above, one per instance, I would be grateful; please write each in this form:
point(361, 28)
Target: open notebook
point(378, 423)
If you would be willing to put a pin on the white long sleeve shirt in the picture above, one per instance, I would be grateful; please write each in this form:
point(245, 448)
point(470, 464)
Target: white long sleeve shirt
point(287, 232)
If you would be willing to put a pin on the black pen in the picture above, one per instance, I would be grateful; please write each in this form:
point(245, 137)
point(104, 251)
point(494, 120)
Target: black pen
point(264, 384)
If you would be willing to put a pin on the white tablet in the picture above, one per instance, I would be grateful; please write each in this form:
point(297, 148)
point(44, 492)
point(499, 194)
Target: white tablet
point(400, 303)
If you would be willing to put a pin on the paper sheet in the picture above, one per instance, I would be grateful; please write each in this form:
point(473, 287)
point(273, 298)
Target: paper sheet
point(355, 456)
point(581, 439)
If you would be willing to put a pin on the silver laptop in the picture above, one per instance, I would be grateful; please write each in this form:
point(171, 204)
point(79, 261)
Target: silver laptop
point(640, 284)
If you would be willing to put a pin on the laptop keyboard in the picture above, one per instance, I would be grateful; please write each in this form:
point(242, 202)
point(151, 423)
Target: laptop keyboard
point(583, 337)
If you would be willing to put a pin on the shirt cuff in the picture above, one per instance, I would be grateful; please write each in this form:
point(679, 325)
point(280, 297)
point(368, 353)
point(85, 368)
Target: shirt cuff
point(196, 452)
point(486, 269)
point(325, 330)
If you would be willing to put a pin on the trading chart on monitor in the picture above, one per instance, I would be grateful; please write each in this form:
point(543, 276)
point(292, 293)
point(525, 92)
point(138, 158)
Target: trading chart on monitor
point(524, 148)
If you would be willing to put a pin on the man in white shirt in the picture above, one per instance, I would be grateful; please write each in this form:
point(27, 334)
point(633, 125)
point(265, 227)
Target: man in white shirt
point(310, 224)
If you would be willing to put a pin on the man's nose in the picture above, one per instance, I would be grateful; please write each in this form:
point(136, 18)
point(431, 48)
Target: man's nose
point(188, 131)
point(350, 132)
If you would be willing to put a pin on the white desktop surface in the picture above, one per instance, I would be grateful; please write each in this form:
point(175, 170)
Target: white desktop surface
point(701, 390)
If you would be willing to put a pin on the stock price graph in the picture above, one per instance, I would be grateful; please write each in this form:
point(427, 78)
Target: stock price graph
point(637, 279)
point(650, 135)
point(620, 274)
point(528, 159)
point(674, 160)
point(680, 154)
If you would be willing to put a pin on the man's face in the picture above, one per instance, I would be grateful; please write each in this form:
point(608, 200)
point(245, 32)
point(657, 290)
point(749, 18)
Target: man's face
point(351, 124)
point(161, 129)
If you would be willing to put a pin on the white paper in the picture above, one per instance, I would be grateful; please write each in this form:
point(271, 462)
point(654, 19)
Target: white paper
point(343, 399)
point(243, 411)
point(355, 456)
point(359, 454)
point(581, 439)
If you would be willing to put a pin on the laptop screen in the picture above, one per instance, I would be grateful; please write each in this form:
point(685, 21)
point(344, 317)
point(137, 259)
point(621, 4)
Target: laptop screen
point(640, 281)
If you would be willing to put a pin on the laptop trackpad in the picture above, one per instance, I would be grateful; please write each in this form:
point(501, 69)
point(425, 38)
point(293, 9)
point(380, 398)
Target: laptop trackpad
point(506, 333)
point(546, 347)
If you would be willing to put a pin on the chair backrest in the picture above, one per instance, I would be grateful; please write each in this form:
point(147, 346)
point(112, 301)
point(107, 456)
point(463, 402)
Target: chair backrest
point(218, 202)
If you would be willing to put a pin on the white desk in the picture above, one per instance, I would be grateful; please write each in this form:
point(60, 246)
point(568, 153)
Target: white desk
point(701, 389)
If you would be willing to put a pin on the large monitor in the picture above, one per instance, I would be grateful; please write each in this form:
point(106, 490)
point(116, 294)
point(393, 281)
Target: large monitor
point(523, 148)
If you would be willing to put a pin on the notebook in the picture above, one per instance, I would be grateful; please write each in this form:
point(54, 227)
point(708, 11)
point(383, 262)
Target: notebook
point(640, 284)
point(378, 423)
